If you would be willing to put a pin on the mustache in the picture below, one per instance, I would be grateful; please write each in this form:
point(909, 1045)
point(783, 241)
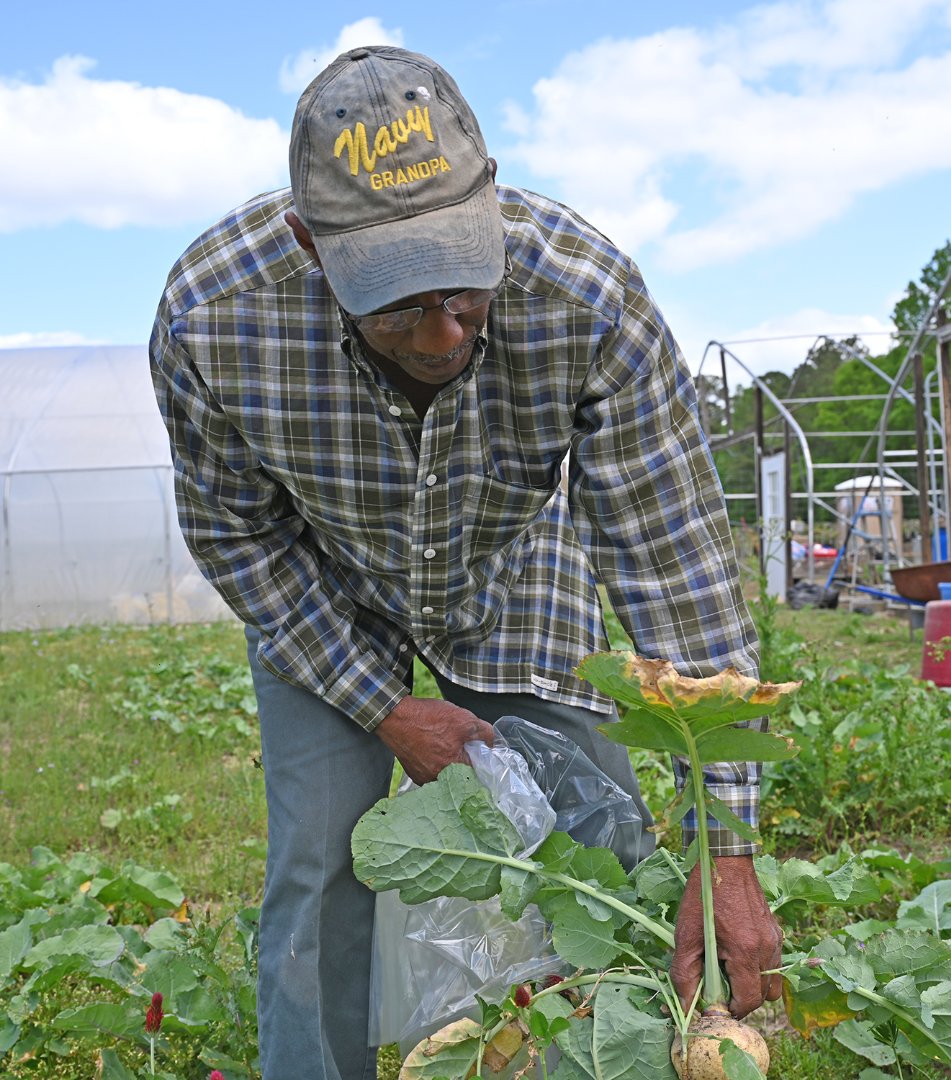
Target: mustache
point(427, 358)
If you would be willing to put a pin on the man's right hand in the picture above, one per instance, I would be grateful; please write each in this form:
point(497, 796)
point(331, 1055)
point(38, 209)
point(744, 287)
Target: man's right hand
point(427, 734)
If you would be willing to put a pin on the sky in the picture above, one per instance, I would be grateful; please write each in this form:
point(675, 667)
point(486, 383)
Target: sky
point(778, 171)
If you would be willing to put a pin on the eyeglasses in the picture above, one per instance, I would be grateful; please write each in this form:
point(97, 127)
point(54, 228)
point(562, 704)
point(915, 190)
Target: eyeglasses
point(395, 322)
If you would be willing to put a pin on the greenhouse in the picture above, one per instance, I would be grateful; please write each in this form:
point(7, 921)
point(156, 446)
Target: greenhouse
point(88, 532)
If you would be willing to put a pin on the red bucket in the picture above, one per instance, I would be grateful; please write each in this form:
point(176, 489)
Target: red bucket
point(936, 661)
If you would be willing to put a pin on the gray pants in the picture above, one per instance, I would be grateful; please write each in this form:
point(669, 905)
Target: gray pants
point(322, 772)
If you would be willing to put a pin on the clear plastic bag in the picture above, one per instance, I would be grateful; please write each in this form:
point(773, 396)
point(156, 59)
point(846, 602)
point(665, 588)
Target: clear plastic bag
point(431, 960)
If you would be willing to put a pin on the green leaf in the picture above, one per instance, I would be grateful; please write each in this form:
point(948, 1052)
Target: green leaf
point(9, 1033)
point(580, 939)
point(518, 889)
point(447, 1053)
point(737, 1063)
point(167, 933)
point(168, 974)
point(849, 884)
point(426, 842)
point(15, 942)
point(858, 1036)
point(906, 952)
point(100, 945)
point(112, 1068)
point(628, 1044)
point(930, 910)
point(644, 730)
point(743, 744)
point(100, 1017)
point(657, 880)
point(154, 888)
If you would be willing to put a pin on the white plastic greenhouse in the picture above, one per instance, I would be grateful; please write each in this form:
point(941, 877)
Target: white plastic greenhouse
point(88, 532)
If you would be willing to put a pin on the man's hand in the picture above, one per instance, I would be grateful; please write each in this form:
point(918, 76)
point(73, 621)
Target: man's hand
point(749, 940)
point(428, 734)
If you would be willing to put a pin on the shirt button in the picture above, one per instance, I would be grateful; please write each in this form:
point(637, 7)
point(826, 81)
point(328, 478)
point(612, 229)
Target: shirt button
point(403, 647)
point(427, 610)
point(431, 479)
point(429, 553)
point(430, 639)
point(395, 410)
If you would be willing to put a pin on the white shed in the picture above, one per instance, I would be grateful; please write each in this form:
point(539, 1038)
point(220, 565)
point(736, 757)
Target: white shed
point(88, 532)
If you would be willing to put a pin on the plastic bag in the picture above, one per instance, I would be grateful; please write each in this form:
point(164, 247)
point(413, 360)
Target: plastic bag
point(431, 960)
point(589, 805)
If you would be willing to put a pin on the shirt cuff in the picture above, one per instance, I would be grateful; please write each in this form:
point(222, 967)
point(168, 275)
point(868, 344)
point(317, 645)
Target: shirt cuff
point(367, 692)
point(743, 800)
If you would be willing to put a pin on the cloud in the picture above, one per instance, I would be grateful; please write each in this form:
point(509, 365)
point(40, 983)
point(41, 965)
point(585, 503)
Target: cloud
point(782, 342)
point(28, 340)
point(297, 71)
point(110, 153)
point(713, 144)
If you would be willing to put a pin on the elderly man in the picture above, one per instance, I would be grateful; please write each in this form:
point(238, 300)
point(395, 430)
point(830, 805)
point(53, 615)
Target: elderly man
point(372, 383)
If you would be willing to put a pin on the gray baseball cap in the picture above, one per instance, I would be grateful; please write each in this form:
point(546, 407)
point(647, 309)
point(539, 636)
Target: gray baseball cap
point(390, 175)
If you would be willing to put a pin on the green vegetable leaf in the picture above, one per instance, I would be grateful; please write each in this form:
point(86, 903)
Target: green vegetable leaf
point(906, 952)
point(112, 1068)
point(433, 841)
point(737, 1063)
point(628, 1044)
point(154, 888)
point(930, 910)
point(743, 744)
point(100, 1017)
point(645, 730)
point(15, 942)
point(858, 1036)
point(581, 940)
point(447, 1053)
point(100, 945)
point(518, 890)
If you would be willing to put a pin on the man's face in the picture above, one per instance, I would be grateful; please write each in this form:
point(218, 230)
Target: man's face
point(438, 347)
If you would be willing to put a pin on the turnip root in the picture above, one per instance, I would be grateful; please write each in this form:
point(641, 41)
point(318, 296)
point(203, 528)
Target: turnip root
point(700, 1059)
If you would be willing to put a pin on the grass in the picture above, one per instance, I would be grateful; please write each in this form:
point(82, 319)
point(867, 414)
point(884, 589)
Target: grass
point(140, 744)
point(136, 743)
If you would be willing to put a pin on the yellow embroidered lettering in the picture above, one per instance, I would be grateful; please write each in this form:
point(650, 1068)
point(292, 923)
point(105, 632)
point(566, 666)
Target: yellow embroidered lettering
point(385, 141)
point(355, 143)
point(384, 144)
point(424, 170)
point(444, 165)
point(412, 172)
point(401, 177)
point(375, 182)
point(387, 177)
point(434, 164)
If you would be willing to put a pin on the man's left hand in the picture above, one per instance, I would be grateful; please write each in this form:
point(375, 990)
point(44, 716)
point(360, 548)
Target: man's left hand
point(749, 940)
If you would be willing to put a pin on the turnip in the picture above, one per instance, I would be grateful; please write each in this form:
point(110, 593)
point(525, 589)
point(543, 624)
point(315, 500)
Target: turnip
point(695, 718)
point(700, 1057)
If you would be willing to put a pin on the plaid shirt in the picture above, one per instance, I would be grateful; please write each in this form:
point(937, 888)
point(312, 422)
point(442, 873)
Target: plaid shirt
point(355, 535)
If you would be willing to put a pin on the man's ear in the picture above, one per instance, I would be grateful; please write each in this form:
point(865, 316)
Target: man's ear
point(301, 235)
point(494, 165)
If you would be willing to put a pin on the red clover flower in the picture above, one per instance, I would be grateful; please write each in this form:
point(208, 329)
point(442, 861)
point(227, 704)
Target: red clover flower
point(153, 1018)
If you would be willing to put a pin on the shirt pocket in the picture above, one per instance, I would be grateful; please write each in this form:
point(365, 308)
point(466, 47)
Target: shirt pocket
point(496, 515)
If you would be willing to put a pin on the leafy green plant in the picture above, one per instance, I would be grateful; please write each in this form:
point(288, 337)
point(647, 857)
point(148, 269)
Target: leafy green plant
point(863, 733)
point(87, 952)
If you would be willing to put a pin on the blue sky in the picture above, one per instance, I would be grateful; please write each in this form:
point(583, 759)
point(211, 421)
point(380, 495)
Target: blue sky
point(778, 171)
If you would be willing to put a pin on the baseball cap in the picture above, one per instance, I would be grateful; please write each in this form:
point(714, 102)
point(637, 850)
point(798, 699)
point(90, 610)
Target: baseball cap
point(390, 175)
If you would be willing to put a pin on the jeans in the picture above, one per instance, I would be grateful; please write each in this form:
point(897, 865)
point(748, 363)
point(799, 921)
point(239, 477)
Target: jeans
point(322, 772)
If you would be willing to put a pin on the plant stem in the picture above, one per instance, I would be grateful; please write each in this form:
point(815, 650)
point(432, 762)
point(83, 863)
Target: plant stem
point(712, 982)
point(661, 930)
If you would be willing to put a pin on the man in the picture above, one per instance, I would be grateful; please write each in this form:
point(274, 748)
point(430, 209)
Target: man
point(371, 385)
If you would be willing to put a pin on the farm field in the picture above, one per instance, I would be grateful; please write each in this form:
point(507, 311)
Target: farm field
point(132, 833)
